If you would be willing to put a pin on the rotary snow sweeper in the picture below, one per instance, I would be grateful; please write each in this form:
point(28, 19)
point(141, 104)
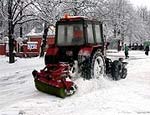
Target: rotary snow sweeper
point(79, 48)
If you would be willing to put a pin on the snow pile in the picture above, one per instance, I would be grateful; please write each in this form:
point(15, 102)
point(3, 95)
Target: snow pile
point(130, 96)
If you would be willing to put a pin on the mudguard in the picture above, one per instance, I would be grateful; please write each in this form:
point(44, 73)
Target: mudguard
point(52, 51)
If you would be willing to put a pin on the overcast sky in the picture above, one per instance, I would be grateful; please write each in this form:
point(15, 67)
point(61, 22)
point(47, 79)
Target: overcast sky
point(141, 3)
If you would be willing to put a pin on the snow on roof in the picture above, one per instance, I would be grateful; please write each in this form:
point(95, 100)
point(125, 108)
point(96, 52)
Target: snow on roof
point(33, 33)
point(51, 31)
point(4, 39)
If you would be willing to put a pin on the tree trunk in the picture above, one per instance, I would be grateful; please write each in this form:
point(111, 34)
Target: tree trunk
point(21, 32)
point(44, 40)
point(10, 32)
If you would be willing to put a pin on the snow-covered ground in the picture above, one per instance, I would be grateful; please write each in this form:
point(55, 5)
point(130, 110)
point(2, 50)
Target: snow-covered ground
point(130, 96)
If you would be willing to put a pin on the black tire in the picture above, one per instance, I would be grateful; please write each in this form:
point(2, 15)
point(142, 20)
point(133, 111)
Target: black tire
point(93, 67)
point(116, 70)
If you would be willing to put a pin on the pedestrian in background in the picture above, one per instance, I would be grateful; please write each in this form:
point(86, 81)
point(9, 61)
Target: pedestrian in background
point(126, 51)
point(147, 50)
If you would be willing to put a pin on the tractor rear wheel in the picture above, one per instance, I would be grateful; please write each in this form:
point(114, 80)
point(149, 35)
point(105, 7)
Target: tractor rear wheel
point(93, 67)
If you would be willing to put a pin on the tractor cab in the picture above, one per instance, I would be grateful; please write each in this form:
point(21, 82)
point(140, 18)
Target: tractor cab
point(78, 31)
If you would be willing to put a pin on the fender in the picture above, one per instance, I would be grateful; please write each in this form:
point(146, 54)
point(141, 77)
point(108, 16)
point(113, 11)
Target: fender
point(52, 51)
point(51, 56)
point(88, 50)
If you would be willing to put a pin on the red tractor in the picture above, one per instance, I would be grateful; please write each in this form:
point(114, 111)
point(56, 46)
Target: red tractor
point(79, 48)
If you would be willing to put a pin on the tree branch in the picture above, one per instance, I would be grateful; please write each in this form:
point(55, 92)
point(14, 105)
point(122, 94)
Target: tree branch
point(17, 15)
point(23, 16)
point(2, 10)
point(29, 20)
point(15, 7)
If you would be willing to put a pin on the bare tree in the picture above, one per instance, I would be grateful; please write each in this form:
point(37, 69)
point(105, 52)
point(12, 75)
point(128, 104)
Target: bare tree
point(17, 13)
point(48, 12)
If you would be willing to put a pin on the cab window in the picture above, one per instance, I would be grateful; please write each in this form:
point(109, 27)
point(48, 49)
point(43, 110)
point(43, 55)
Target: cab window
point(98, 34)
point(70, 34)
point(90, 33)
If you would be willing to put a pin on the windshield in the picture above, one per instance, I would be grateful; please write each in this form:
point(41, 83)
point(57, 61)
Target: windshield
point(70, 34)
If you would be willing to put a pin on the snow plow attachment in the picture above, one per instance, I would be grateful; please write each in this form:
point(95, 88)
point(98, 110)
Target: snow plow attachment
point(54, 80)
